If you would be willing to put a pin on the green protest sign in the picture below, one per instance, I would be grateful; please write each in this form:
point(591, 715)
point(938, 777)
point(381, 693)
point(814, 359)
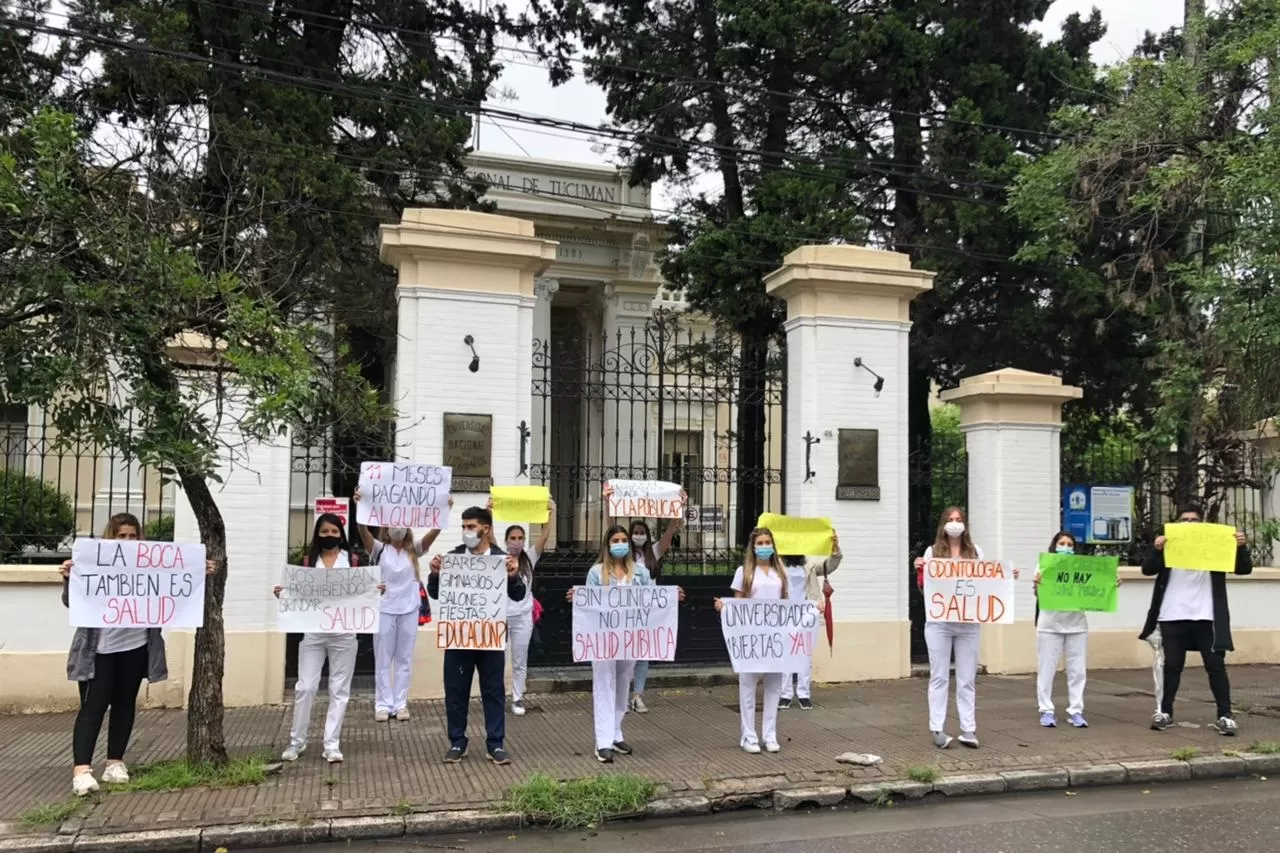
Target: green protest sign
point(1070, 583)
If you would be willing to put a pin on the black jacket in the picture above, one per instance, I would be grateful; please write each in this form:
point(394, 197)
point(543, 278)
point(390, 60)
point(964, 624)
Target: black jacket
point(1154, 565)
point(515, 586)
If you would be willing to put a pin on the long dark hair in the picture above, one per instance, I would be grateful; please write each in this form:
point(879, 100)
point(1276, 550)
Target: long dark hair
point(1053, 543)
point(526, 565)
point(313, 551)
point(644, 553)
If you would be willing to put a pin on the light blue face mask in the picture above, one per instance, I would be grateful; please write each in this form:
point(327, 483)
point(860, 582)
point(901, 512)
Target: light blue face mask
point(764, 552)
point(619, 550)
point(1065, 549)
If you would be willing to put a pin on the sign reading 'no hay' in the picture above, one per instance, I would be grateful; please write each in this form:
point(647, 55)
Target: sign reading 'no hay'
point(970, 591)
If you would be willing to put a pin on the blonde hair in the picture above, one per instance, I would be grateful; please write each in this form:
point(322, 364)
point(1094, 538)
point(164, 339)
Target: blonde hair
point(608, 561)
point(749, 564)
point(409, 545)
point(942, 542)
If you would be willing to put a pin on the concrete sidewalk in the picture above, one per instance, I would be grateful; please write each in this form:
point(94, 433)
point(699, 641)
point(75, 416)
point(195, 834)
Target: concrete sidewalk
point(688, 742)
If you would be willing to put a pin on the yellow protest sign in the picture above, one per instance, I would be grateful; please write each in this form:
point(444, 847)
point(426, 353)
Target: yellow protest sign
point(792, 535)
point(1195, 545)
point(521, 503)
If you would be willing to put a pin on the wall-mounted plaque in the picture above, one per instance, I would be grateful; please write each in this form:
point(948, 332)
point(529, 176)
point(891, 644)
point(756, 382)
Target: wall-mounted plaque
point(858, 465)
point(468, 450)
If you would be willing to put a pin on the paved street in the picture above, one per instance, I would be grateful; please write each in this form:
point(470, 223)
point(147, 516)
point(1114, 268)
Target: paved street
point(688, 743)
point(1240, 816)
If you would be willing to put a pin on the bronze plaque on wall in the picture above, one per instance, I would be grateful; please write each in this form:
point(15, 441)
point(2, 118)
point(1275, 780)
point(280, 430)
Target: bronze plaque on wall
point(858, 465)
point(468, 450)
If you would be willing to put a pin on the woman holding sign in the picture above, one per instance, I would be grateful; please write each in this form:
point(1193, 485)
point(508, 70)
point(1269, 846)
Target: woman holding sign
point(108, 665)
point(647, 552)
point(952, 542)
point(1059, 634)
point(761, 575)
point(331, 550)
point(396, 554)
point(520, 613)
point(805, 578)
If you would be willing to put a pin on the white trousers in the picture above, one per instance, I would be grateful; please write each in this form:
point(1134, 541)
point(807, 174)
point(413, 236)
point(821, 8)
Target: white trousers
point(519, 633)
point(1157, 665)
point(610, 689)
point(943, 638)
point(1050, 649)
point(340, 649)
point(393, 660)
point(798, 683)
point(747, 682)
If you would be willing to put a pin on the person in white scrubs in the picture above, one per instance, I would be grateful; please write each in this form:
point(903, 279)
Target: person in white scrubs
point(329, 548)
point(805, 576)
point(761, 575)
point(520, 613)
point(1061, 634)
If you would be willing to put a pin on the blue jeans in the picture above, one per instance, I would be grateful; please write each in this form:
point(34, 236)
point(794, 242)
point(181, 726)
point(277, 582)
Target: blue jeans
point(642, 674)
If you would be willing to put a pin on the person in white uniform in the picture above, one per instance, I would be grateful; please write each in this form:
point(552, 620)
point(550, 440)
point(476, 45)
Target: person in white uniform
point(520, 613)
point(805, 577)
point(396, 555)
point(329, 549)
point(952, 541)
point(648, 552)
point(1061, 634)
point(761, 575)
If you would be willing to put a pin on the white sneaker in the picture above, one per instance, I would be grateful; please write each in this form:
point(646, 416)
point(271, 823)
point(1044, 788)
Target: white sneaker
point(517, 708)
point(292, 753)
point(751, 748)
point(83, 784)
point(333, 756)
point(116, 773)
point(402, 715)
point(381, 716)
point(772, 747)
point(637, 704)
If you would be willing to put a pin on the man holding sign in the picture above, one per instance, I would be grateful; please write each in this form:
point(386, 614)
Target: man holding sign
point(1189, 607)
point(473, 630)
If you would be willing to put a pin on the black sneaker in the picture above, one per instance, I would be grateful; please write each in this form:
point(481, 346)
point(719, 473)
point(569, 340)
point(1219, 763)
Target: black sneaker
point(604, 756)
point(806, 704)
point(784, 704)
point(499, 756)
point(1160, 722)
point(622, 748)
point(455, 755)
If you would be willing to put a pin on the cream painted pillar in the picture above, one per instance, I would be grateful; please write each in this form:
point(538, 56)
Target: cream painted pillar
point(627, 450)
point(1012, 421)
point(847, 302)
point(462, 273)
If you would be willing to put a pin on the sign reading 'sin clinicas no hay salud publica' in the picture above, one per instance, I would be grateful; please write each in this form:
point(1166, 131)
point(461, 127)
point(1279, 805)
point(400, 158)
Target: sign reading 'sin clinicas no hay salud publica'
point(968, 591)
point(120, 583)
point(624, 622)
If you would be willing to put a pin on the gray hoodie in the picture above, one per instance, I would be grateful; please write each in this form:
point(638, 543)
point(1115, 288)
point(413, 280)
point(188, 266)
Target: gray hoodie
point(84, 651)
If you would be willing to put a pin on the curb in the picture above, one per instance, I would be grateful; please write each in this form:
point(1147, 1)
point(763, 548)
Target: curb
point(728, 795)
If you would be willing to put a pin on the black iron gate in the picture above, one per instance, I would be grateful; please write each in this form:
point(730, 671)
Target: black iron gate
point(667, 400)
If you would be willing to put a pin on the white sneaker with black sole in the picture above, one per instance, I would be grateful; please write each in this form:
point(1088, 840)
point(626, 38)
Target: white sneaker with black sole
point(1225, 726)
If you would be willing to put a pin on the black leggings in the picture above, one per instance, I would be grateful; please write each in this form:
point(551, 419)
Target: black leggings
point(1180, 637)
point(116, 681)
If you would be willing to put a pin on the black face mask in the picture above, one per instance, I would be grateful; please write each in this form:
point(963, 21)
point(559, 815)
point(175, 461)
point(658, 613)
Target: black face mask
point(328, 543)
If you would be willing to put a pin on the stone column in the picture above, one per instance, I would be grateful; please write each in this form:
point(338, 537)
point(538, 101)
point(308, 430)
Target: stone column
point(462, 274)
point(544, 290)
point(623, 439)
point(1012, 421)
point(846, 303)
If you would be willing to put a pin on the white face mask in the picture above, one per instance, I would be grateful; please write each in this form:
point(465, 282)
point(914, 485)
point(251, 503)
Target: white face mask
point(397, 534)
point(470, 538)
point(955, 529)
point(639, 539)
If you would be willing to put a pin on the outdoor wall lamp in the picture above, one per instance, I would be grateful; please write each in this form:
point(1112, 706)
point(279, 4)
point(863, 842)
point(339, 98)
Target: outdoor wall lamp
point(475, 359)
point(809, 441)
point(879, 385)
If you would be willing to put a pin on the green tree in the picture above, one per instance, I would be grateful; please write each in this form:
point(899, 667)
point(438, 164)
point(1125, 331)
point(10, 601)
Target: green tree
point(1171, 180)
point(112, 323)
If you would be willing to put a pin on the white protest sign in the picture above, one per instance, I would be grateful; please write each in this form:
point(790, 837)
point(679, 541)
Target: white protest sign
point(472, 610)
point(768, 635)
point(970, 591)
point(119, 583)
point(404, 494)
point(317, 600)
point(625, 622)
point(645, 499)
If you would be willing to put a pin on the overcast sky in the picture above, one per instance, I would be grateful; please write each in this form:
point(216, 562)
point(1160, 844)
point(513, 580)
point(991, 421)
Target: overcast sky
point(1126, 21)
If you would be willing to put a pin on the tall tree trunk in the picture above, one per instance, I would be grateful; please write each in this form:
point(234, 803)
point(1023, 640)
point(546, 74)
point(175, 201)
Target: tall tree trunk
point(206, 742)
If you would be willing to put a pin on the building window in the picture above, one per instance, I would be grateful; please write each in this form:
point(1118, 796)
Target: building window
point(682, 452)
point(13, 437)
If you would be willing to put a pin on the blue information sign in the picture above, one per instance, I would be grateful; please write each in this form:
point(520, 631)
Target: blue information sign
point(1098, 515)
